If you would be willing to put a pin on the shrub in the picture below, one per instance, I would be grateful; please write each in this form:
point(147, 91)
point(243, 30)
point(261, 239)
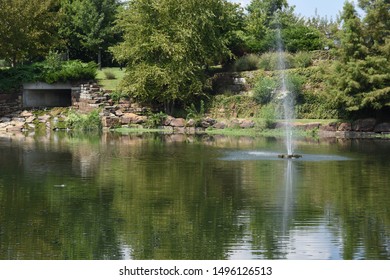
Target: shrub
point(154, 119)
point(265, 62)
point(303, 59)
point(246, 63)
point(109, 75)
point(49, 71)
point(264, 90)
point(12, 79)
point(73, 70)
point(270, 61)
point(267, 87)
point(84, 122)
point(195, 114)
point(116, 96)
point(267, 116)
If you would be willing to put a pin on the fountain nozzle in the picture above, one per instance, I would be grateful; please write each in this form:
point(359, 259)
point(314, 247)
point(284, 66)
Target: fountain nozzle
point(287, 156)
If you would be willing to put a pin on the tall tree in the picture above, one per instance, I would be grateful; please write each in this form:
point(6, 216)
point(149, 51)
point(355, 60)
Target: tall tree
point(88, 27)
point(265, 16)
point(27, 28)
point(168, 44)
point(362, 76)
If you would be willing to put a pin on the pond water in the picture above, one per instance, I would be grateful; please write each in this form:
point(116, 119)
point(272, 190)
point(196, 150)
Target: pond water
point(209, 197)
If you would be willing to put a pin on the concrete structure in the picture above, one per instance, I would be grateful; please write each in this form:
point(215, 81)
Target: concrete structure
point(48, 95)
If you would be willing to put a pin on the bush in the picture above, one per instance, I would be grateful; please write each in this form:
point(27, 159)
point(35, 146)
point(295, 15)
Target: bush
point(267, 116)
point(266, 88)
point(109, 75)
point(270, 61)
point(11, 79)
point(303, 59)
point(84, 122)
point(73, 70)
point(155, 119)
point(116, 96)
point(246, 63)
point(196, 115)
point(50, 71)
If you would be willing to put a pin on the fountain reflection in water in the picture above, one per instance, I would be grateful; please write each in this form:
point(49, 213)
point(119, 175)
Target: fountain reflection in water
point(288, 200)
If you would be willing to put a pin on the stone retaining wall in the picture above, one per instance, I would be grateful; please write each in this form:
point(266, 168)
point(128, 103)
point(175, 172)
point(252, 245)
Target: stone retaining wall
point(89, 96)
point(9, 103)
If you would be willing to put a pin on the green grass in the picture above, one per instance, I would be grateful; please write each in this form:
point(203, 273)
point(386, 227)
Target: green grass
point(321, 121)
point(110, 84)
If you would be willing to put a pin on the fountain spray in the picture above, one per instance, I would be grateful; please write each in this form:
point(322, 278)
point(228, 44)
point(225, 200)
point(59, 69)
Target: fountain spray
point(287, 98)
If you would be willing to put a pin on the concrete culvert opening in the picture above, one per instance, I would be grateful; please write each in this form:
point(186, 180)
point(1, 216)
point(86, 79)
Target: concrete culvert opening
point(47, 95)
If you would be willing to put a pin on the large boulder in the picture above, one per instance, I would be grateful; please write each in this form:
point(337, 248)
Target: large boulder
point(178, 122)
point(247, 124)
point(382, 127)
point(345, 127)
point(364, 125)
point(110, 122)
point(131, 118)
point(220, 125)
point(329, 127)
point(168, 120)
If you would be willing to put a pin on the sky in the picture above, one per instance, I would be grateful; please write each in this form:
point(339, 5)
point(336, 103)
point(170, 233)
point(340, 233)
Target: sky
point(307, 8)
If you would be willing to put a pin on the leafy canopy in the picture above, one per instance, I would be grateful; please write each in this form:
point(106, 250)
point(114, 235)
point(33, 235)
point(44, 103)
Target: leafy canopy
point(168, 44)
point(27, 29)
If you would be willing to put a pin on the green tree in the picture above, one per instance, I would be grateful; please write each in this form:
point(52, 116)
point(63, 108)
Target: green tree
point(362, 76)
point(27, 29)
point(88, 27)
point(266, 16)
point(168, 45)
point(260, 15)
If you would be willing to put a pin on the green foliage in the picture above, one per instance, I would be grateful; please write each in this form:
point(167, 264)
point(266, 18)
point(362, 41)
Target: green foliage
point(266, 16)
point(194, 113)
point(28, 29)
point(361, 80)
point(267, 116)
point(266, 88)
point(168, 45)
point(155, 120)
point(72, 70)
point(297, 36)
point(247, 63)
point(233, 106)
point(352, 39)
point(270, 61)
point(84, 122)
point(116, 96)
point(87, 25)
point(11, 79)
point(49, 71)
point(303, 59)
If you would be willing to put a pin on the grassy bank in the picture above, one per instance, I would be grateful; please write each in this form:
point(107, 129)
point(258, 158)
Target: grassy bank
point(110, 78)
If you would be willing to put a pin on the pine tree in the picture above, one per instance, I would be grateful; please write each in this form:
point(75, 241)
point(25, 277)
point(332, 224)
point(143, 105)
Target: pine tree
point(363, 74)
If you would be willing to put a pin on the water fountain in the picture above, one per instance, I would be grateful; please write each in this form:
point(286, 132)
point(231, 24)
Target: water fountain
point(287, 98)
